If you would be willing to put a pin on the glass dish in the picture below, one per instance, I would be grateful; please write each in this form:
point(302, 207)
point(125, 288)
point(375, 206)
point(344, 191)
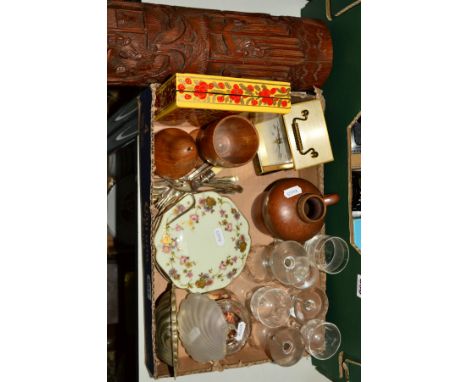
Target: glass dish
point(238, 321)
point(202, 328)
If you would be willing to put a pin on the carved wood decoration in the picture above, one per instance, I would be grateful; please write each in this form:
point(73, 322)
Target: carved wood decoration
point(148, 42)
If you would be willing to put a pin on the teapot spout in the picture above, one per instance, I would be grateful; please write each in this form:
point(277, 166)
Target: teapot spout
point(331, 199)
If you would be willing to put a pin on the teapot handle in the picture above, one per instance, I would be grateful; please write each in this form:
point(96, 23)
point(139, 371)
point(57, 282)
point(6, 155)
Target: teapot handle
point(331, 199)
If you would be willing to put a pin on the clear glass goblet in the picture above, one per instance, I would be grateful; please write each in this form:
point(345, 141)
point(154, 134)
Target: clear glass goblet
point(311, 279)
point(286, 262)
point(259, 335)
point(309, 304)
point(271, 306)
point(322, 339)
point(289, 263)
point(285, 346)
point(257, 263)
point(329, 254)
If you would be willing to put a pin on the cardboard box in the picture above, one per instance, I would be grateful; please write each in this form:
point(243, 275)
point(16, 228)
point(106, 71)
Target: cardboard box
point(199, 99)
point(156, 284)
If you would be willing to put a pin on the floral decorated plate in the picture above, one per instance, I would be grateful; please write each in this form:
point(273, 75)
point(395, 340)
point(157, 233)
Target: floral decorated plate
point(202, 242)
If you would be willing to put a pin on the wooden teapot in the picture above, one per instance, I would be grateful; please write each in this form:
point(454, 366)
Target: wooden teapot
point(291, 209)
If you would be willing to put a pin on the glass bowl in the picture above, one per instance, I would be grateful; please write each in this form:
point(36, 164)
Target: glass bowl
point(238, 321)
point(202, 328)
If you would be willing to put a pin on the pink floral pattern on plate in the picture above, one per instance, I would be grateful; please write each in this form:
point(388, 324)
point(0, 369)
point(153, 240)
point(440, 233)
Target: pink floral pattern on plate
point(206, 266)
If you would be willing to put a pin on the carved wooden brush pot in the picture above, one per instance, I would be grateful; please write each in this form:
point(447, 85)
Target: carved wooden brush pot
point(291, 209)
point(230, 142)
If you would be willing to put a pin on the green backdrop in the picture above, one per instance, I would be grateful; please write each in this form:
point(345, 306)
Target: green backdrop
point(342, 92)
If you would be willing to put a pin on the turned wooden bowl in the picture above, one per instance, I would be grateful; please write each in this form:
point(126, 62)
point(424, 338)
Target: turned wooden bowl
point(230, 142)
point(175, 153)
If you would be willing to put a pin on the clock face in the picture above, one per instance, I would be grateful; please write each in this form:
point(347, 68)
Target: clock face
point(277, 143)
point(274, 152)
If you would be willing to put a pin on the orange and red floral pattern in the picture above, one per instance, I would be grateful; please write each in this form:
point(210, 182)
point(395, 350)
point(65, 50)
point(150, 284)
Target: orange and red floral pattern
point(240, 93)
point(209, 93)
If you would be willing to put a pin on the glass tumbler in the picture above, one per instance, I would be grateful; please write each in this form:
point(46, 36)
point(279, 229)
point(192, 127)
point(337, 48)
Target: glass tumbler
point(330, 254)
point(285, 346)
point(271, 306)
point(257, 263)
point(322, 339)
point(309, 304)
point(259, 335)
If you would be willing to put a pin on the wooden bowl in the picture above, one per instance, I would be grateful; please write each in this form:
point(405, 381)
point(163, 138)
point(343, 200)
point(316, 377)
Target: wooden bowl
point(230, 142)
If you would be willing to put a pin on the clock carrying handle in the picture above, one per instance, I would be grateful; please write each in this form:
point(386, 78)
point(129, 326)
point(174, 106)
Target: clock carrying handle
point(297, 135)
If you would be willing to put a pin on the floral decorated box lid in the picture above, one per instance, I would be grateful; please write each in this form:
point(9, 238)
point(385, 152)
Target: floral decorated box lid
point(199, 91)
point(202, 243)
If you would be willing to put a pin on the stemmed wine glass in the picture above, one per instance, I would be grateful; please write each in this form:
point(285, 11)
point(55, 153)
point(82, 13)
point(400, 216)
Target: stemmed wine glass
point(284, 261)
point(309, 304)
point(285, 346)
point(271, 306)
point(329, 254)
point(322, 339)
